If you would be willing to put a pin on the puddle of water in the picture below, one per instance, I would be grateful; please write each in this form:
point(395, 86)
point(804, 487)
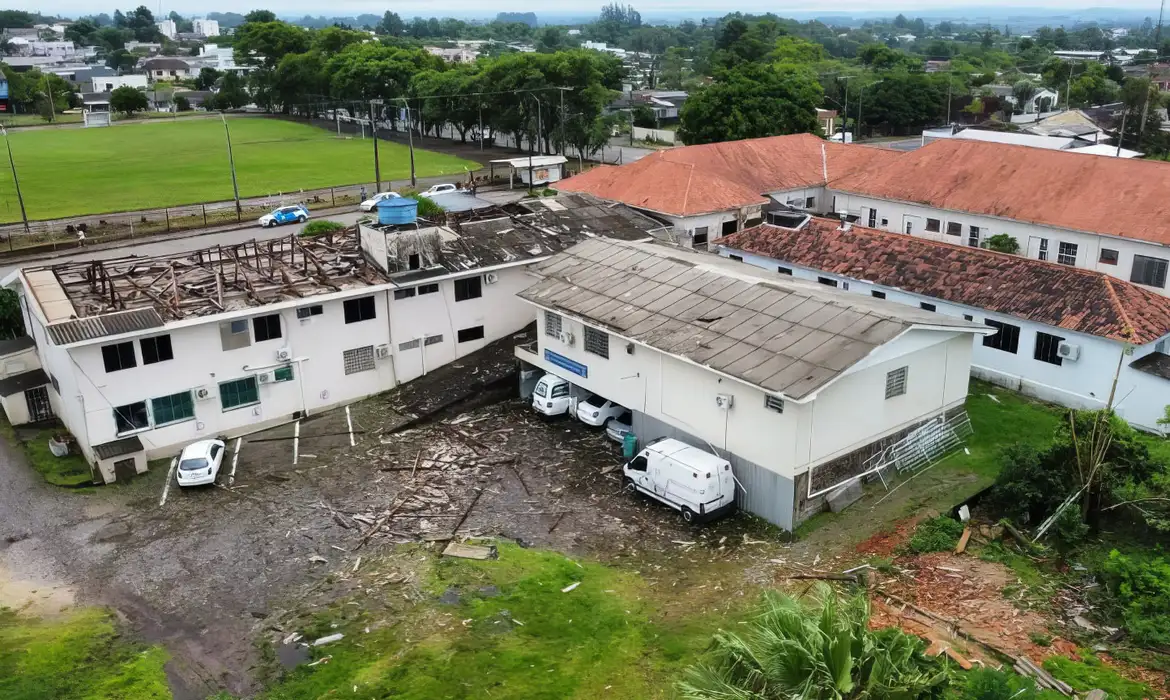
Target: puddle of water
point(44, 598)
point(292, 655)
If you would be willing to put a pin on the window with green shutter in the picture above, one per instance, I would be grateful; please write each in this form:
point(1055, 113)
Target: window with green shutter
point(238, 392)
point(173, 408)
point(283, 374)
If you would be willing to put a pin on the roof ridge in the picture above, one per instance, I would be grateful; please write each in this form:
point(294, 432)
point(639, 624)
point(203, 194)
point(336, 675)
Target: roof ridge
point(1127, 331)
point(687, 190)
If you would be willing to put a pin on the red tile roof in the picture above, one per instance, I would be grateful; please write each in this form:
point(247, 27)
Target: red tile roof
point(1097, 194)
point(720, 176)
point(1056, 295)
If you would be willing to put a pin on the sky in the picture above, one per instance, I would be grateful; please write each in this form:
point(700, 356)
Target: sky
point(656, 7)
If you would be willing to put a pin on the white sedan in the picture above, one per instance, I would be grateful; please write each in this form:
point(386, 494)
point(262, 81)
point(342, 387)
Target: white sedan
point(199, 463)
point(440, 189)
point(372, 203)
point(597, 411)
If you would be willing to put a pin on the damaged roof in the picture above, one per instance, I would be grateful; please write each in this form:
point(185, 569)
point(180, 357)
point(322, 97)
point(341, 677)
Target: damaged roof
point(788, 337)
point(1057, 295)
point(719, 176)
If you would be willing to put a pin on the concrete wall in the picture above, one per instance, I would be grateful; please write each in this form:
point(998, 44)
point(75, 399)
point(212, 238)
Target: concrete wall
point(663, 135)
point(1141, 397)
point(15, 408)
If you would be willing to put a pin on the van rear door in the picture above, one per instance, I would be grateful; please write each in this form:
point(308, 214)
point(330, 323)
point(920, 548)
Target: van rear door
point(682, 484)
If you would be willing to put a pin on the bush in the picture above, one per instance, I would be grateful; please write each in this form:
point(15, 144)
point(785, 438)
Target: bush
point(323, 226)
point(1028, 488)
point(426, 206)
point(989, 684)
point(1141, 586)
point(939, 534)
point(1069, 531)
point(1003, 243)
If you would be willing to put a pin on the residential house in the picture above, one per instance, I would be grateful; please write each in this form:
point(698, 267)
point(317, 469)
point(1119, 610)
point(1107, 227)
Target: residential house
point(1044, 100)
point(1060, 331)
point(24, 392)
point(165, 68)
point(1054, 139)
point(109, 83)
point(1095, 56)
point(801, 387)
point(1071, 123)
point(827, 119)
point(456, 54)
point(205, 27)
point(143, 47)
point(226, 340)
point(938, 66)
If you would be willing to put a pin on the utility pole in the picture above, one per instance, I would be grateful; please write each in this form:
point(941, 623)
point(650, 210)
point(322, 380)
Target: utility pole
point(481, 126)
point(950, 85)
point(1158, 31)
point(845, 118)
point(410, 139)
point(49, 97)
point(19, 198)
point(562, 91)
point(1121, 136)
point(377, 164)
point(231, 162)
point(530, 141)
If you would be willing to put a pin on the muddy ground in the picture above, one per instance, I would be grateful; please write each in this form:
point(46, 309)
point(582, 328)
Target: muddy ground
point(213, 569)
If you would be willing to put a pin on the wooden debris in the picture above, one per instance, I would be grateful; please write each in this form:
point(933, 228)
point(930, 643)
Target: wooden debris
point(966, 536)
point(959, 659)
point(557, 521)
point(329, 639)
point(382, 521)
point(469, 551)
point(570, 587)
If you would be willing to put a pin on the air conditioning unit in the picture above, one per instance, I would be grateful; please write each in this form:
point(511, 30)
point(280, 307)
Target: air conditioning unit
point(382, 352)
point(724, 401)
point(284, 354)
point(1069, 351)
point(491, 278)
point(264, 378)
point(204, 393)
point(567, 338)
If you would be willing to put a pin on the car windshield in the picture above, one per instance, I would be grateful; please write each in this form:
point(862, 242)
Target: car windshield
point(541, 390)
point(595, 401)
point(193, 464)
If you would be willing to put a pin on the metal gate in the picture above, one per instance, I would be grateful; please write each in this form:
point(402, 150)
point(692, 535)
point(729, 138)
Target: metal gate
point(39, 408)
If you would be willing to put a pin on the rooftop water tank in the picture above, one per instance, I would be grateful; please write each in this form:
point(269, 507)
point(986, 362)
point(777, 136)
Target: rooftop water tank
point(397, 210)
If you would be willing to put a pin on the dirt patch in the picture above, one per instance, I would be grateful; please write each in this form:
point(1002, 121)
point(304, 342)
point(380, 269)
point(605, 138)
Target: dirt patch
point(886, 542)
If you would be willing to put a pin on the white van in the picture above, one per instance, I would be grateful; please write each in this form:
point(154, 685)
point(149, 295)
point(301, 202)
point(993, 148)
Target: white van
point(551, 396)
point(696, 483)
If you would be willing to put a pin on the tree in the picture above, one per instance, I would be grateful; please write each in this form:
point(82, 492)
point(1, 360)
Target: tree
point(391, 24)
point(906, 101)
point(819, 647)
point(141, 22)
point(260, 16)
point(16, 19)
point(82, 32)
point(1092, 87)
point(1004, 243)
point(128, 100)
point(206, 78)
point(1023, 91)
point(751, 102)
point(182, 104)
point(11, 318)
point(643, 116)
point(121, 60)
point(232, 93)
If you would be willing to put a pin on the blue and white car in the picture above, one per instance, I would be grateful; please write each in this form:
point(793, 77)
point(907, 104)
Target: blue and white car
point(296, 214)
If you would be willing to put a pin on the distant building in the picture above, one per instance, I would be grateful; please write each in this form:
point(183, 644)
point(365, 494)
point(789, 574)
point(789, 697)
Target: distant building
point(167, 28)
point(205, 27)
point(938, 66)
point(165, 68)
point(109, 83)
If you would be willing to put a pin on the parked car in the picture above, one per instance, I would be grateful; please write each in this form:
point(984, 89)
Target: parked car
point(439, 189)
point(199, 463)
point(598, 411)
point(372, 203)
point(696, 483)
point(618, 428)
point(296, 214)
point(551, 397)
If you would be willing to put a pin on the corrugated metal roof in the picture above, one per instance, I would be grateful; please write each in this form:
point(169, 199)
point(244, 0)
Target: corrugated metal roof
point(25, 380)
point(785, 336)
point(117, 448)
point(7, 347)
point(81, 329)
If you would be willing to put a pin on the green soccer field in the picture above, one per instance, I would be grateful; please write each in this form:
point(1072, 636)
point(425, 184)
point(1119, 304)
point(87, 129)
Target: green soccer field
point(70, 172)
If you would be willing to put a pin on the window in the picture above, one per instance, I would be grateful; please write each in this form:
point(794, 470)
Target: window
point(408, 345)
point(638, 464)
point(432, 340)
point(413, 261)
point(1007, 339)
point(1067, 254)
point(873, 218)
point(173, 408)
point(1042, 253)
point(927, 306)
point(877, 295)
point(131, 417)
point(597, 342)
point(428, 289)
point(736, 257)
point(559, 390)
point(403, 293)
point(266, 327)
point(834, 202)
point(896, 382)
point(774, 403)
point(885, 223)
point(307, 311)
point(360, 309)
point(283, 374)
point(1048, 348)
point(238, 392)
point(699, 238)
point(1108, 257)
point(810, 202)
point(933, 225)
point(1147, 270)
point(156, 349)
point(954, 228)
point(362, 359)
point(730, 227)
point(784, 270)
point(57, 385)
point(827, 281)
point(467, 335)
point(468, 288)
point(968, 317)
point(118, 357)
point(973, 236)
point(552, 324)
point(234, 335)
point(909, 227)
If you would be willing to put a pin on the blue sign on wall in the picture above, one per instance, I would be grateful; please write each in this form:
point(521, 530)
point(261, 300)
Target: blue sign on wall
point(3, 89)
point(565, 363)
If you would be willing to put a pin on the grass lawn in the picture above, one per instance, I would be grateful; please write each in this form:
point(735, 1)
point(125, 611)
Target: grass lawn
point(159, 163)
point(70, 470)
point(79, 656)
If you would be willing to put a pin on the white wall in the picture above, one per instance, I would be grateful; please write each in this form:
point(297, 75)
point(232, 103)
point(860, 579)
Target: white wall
point(1027, 235)
point(109, 83)
point(1085, 383)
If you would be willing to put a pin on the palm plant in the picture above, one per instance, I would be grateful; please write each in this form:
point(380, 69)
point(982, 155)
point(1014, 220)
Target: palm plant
point(819, 647)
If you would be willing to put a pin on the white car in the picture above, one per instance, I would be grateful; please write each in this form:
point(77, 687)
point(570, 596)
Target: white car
point(372, 203)
point(598, 411)
point(551, 396)
point(619, 427)
point(440, 189)
point(199, 463)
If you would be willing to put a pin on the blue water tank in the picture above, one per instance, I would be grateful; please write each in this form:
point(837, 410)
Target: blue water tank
point(397, 210)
